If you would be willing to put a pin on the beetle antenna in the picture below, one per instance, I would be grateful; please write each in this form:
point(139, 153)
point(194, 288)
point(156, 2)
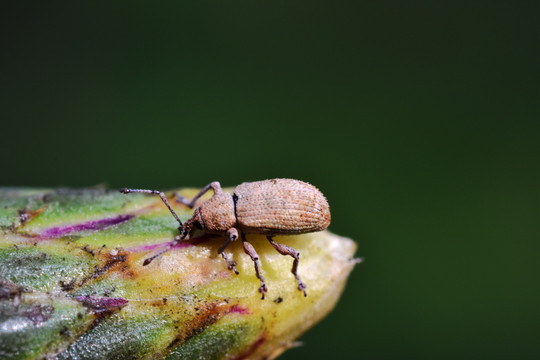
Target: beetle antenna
point(173, 243)
point(154, 192)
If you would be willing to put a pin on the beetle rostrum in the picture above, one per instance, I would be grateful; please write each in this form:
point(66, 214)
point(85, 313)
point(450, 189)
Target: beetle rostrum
point(268, 207)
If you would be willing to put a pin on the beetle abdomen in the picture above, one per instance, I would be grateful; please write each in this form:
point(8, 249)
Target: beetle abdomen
point(280, 206)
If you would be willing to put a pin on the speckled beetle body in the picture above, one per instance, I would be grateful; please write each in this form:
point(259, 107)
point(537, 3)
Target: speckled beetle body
point(268, 207)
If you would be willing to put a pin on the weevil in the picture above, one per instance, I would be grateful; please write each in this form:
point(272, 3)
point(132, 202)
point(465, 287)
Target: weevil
point(268, 207)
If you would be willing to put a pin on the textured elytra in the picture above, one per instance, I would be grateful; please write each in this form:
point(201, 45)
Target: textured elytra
point(280, 206)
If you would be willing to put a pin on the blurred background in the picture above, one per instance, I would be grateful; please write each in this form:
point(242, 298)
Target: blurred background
point(418, 119)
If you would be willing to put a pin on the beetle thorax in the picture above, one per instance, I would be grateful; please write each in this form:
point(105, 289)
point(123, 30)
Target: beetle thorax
point(217, 214)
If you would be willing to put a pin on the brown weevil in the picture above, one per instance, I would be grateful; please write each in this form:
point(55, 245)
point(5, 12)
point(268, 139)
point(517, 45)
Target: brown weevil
point(268, 207)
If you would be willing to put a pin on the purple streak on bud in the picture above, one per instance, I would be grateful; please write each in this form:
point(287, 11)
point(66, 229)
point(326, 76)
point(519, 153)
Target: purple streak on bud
point(101, 303)
point(59, 231)
point(237, 309)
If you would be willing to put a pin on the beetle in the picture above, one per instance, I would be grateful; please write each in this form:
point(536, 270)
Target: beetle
point(268, 207)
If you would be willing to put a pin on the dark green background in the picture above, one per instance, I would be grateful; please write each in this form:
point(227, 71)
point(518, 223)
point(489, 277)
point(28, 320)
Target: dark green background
point(419, 120)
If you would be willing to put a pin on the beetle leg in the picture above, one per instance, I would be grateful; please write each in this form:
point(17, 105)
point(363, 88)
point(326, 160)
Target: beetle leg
point(172, 244)
point(250, 250)
point(287, 250)
point(160, 194)
point(191, 204)
point(232, 235)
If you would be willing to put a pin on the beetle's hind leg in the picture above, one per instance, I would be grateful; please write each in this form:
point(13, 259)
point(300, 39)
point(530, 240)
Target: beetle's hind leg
point(250, 250)
point(287, 250)
point(232, 234)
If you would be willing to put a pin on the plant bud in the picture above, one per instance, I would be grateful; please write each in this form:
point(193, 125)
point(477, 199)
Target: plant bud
point(73, 284)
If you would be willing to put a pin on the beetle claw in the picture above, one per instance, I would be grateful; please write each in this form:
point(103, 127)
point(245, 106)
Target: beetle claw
point(232, 266)
point(302, 287)
point(263, 289)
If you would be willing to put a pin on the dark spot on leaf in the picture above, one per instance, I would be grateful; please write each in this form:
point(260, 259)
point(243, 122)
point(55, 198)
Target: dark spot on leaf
point(67, 286)
point(278, 300)
point(25, 215)
point(88, 250)
point(39, 313)
point(9, 289)
point(64, 331)
point(109, 292)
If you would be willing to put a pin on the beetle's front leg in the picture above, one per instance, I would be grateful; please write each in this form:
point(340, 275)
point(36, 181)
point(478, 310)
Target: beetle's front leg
point(232, 235)
point(176, 241)
point(191, 204)
point(250, 250)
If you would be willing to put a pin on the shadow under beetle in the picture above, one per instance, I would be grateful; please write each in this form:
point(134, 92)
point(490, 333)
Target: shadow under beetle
point(268, 207)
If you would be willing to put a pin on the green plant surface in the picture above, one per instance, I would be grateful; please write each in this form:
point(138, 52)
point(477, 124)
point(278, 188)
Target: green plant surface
point(73, 284)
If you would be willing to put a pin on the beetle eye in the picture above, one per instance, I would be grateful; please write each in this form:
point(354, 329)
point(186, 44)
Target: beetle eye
point(197, 225)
